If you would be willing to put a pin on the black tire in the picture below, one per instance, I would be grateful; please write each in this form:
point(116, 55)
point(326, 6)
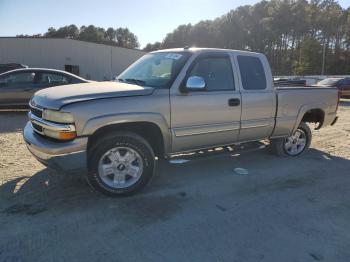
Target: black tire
point(278, 145)
point(120, 139)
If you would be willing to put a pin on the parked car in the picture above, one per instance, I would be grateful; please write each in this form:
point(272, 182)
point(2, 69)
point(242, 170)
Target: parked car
point(18, 86)
point(342, 83)
point(170, 102)
point(8, 67)
point(289, 82)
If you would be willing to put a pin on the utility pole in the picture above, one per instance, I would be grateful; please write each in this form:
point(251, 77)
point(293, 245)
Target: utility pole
point(323, 56)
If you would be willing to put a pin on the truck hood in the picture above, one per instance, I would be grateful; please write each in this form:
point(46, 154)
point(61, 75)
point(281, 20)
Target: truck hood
point(58, 96)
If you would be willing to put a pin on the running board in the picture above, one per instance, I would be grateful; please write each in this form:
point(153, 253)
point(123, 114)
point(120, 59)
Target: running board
point(233, 150)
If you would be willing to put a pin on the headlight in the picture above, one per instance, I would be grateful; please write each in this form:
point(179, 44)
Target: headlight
point(57, 116)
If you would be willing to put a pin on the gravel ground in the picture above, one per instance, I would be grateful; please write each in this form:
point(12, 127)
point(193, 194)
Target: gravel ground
point(283, 210)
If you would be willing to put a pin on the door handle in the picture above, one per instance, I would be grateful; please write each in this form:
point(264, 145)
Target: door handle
point(234, 102)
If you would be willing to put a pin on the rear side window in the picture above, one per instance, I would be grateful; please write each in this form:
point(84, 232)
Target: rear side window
point(216, 72)
point(53, 79)
point(252, 73)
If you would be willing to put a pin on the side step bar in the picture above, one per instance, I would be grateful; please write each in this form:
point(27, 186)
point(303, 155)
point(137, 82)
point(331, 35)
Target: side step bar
point(218, 151)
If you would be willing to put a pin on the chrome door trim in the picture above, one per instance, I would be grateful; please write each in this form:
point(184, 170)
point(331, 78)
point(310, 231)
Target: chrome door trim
point(205, 129)
point(257, 123)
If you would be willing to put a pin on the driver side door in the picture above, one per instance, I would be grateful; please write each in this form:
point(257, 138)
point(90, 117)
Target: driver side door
point(206, 118)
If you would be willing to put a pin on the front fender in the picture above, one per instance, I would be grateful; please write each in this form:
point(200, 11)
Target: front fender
point(93, 124)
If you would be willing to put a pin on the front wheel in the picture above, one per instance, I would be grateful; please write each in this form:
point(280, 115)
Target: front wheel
point(120, 164)
point(296, 144)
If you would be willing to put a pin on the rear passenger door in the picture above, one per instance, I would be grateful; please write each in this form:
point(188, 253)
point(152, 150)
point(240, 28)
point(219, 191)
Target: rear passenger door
point(258, 97)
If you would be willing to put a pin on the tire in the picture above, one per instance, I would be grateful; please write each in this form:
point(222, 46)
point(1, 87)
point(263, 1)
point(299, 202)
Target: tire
point(111, 168)
point(281, 146)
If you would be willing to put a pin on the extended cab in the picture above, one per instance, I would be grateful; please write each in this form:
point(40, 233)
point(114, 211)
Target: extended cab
point(168, 102)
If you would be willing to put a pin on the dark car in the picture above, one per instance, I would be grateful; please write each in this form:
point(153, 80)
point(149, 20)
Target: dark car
point(18, 86)
point(12, 66)
point(342, 83)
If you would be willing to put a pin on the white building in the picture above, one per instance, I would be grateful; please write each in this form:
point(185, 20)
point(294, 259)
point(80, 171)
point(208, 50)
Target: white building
point(89, 60)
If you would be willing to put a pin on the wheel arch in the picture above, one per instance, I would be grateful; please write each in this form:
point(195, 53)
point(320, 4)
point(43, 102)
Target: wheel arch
point(155, 131)
point(311, 114)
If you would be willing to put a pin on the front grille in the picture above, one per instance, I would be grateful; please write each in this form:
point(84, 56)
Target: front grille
point(37, 112)
point(37, 128)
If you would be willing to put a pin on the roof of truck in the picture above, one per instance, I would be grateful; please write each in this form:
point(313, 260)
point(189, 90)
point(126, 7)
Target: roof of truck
point(201, 49)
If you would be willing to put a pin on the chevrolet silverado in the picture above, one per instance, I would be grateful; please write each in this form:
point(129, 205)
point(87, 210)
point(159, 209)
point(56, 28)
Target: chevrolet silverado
point(170, 102)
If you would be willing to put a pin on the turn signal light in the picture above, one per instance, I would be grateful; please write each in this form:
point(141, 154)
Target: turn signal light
point(60, 135)
point(67, 135)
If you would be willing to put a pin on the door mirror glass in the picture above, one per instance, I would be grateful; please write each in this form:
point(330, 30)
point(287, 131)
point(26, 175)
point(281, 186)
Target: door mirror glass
point(195, 83)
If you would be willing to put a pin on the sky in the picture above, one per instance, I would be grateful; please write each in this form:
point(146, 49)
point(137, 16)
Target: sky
point(150, 20)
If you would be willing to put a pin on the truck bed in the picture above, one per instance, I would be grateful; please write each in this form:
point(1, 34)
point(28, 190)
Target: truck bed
point(294, 101)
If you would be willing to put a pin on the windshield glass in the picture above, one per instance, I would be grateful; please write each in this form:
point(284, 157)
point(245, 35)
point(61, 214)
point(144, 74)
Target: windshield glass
point(155, 70)
point(328, 81)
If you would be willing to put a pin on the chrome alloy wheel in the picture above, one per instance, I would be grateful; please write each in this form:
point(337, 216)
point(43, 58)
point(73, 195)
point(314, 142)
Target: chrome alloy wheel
point(120, 167)
point(296, 143)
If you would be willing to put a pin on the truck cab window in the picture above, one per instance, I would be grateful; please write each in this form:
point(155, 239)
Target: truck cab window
point(216, 72)
point(252, 73)
point(156, 70)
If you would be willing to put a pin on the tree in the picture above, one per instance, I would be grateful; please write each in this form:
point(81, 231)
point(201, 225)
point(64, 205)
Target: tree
point(310, 59)
point(110, 34)
point(284, 30)
point(119, 37)
point(125, 38)
point(92, 34)
point(153, 47)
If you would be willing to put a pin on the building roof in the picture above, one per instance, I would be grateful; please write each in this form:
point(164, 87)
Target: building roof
point(70, 39)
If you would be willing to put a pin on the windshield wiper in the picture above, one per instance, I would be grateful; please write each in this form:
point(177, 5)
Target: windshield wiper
point(134, 81)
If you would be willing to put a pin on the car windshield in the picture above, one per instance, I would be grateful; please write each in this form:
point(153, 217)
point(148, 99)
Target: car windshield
point(328, 81)
point(156, 70)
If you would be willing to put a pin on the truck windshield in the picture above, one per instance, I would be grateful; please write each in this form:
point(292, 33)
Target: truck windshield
point(156, 70)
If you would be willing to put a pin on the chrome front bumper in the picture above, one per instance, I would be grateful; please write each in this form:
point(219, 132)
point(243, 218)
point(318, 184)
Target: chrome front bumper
point(62, 156)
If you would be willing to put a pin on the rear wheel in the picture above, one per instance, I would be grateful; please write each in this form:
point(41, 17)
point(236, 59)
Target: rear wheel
point(296, 144)
point(120, 164)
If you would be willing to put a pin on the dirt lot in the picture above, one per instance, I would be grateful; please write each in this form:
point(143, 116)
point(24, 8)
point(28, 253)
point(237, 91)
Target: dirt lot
point(283, 210)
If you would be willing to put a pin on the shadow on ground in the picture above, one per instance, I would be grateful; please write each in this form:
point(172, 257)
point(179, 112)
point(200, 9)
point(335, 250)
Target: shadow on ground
point(13, 121)
point(283, 210)
point(48, 190)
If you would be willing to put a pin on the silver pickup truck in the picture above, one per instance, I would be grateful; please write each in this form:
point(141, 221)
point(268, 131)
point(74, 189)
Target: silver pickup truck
point(170, 102)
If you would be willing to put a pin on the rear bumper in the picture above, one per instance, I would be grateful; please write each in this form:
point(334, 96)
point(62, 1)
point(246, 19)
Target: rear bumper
point(62, 156)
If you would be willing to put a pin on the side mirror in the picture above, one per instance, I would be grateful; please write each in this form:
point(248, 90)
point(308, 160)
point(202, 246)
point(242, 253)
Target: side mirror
point(195, 83)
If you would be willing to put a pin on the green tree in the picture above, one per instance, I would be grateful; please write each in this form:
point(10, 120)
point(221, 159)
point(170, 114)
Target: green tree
point(125, 38)
point(152, 47)
point(281, 29)
point(122, 37)
point(110, 34)
point(310, 59)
